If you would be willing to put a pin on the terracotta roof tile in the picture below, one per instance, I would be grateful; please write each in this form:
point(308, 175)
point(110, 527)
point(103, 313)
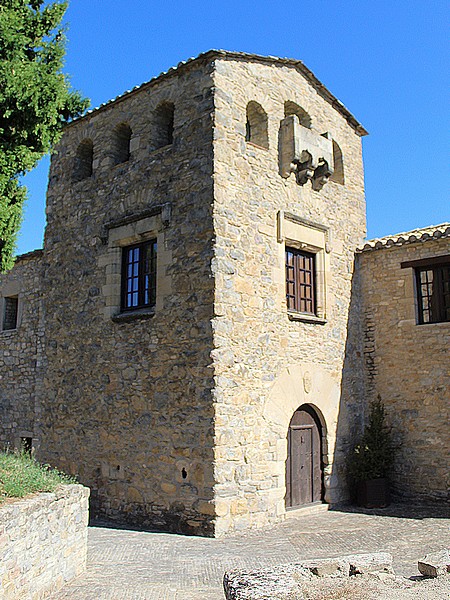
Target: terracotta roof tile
point(424, 234)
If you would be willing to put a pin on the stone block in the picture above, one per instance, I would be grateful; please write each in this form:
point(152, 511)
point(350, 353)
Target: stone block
point(435, 564)
point(362, 564)
point(329, 567)
point(279, 583)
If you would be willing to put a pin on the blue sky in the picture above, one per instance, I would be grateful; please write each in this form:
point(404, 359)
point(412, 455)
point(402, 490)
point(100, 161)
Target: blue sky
point(387, 61)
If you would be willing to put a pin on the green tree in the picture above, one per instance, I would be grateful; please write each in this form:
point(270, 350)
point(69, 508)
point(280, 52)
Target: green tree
point(373, 457)
point(35, 101)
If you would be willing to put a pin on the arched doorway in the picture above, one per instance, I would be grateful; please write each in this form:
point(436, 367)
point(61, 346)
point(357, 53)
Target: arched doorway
point(304, 469)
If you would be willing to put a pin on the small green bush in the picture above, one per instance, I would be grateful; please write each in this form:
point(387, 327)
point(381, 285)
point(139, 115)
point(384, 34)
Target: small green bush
point(21, 474)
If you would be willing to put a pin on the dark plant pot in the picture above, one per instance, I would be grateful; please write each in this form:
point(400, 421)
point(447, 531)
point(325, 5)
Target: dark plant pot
point(373, 493)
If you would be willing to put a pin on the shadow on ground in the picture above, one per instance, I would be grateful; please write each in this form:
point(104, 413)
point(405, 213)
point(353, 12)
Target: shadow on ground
point(401, 510)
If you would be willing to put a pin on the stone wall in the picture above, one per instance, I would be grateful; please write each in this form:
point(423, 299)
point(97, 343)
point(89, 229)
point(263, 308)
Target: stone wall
point(43, 542)
point(127, 402)
point(408, 365)
point(21, 352)
point(267, 363)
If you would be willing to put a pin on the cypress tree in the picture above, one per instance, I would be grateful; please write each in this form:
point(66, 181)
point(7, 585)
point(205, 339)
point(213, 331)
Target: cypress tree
point(35, 101)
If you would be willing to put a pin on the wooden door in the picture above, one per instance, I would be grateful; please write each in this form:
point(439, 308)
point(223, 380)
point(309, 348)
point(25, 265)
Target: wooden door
point(303, 465)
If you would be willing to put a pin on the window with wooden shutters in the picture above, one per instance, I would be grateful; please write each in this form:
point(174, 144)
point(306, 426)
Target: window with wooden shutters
point(300, 281)
point(139, 276)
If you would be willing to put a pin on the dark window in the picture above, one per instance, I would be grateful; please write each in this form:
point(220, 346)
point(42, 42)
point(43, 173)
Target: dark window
point(139, 276)
point(291, 108)
point(256, 125)
point(433, 293)
point(163, 125)
point(300, 281)
point(121, 148)
point(83, 164)
point(10, 313)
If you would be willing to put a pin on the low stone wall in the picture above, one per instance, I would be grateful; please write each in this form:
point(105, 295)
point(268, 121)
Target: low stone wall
point(43, 542)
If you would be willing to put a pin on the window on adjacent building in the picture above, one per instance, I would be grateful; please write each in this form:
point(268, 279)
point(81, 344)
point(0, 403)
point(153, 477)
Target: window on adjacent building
point(256, 125)
point(139, 276)
point(300, 281)
point(10, 312)
point(433, 293)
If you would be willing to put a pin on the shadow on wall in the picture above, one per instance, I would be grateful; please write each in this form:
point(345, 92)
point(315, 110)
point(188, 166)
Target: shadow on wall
point(352, 406)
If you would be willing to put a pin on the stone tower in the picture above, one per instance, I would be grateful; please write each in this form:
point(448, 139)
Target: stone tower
point(190, 319)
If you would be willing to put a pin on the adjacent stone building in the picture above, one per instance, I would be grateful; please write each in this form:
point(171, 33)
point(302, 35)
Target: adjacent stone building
point(405, 290)
point(191, 339)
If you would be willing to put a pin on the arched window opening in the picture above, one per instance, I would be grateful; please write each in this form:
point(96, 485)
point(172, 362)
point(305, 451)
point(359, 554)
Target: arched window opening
point(291, 108)
point(256, 128)
point(164, 123)
point(122, 139)
point(338, 165)
point(83, 160)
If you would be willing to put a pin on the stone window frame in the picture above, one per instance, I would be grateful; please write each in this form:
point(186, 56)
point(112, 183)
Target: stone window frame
point(10, 290)
point(432, 263)
point(145, 226)
point(313, 238)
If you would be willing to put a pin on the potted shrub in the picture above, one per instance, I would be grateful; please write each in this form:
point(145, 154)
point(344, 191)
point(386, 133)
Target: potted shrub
point(371, 459)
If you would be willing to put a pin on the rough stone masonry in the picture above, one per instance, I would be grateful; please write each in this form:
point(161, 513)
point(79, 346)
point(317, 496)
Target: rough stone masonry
point(155, 352)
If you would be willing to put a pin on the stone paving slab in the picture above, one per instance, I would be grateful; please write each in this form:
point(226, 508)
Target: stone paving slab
point(134, 565)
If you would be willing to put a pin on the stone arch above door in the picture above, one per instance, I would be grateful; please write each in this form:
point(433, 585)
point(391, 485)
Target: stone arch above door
point(309, 384)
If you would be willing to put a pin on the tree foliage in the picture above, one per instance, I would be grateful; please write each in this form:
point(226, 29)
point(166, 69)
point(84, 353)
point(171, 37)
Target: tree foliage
point(35, 101)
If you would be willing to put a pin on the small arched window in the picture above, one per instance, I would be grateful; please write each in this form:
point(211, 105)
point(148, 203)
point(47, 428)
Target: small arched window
point(291, 108)
point(256, 128)
point(83, 160)
point(164, 123)
point(121, 144)
point(338, 165)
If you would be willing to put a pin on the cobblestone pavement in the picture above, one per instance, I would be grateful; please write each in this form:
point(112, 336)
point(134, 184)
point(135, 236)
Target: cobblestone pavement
point(135, 565)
